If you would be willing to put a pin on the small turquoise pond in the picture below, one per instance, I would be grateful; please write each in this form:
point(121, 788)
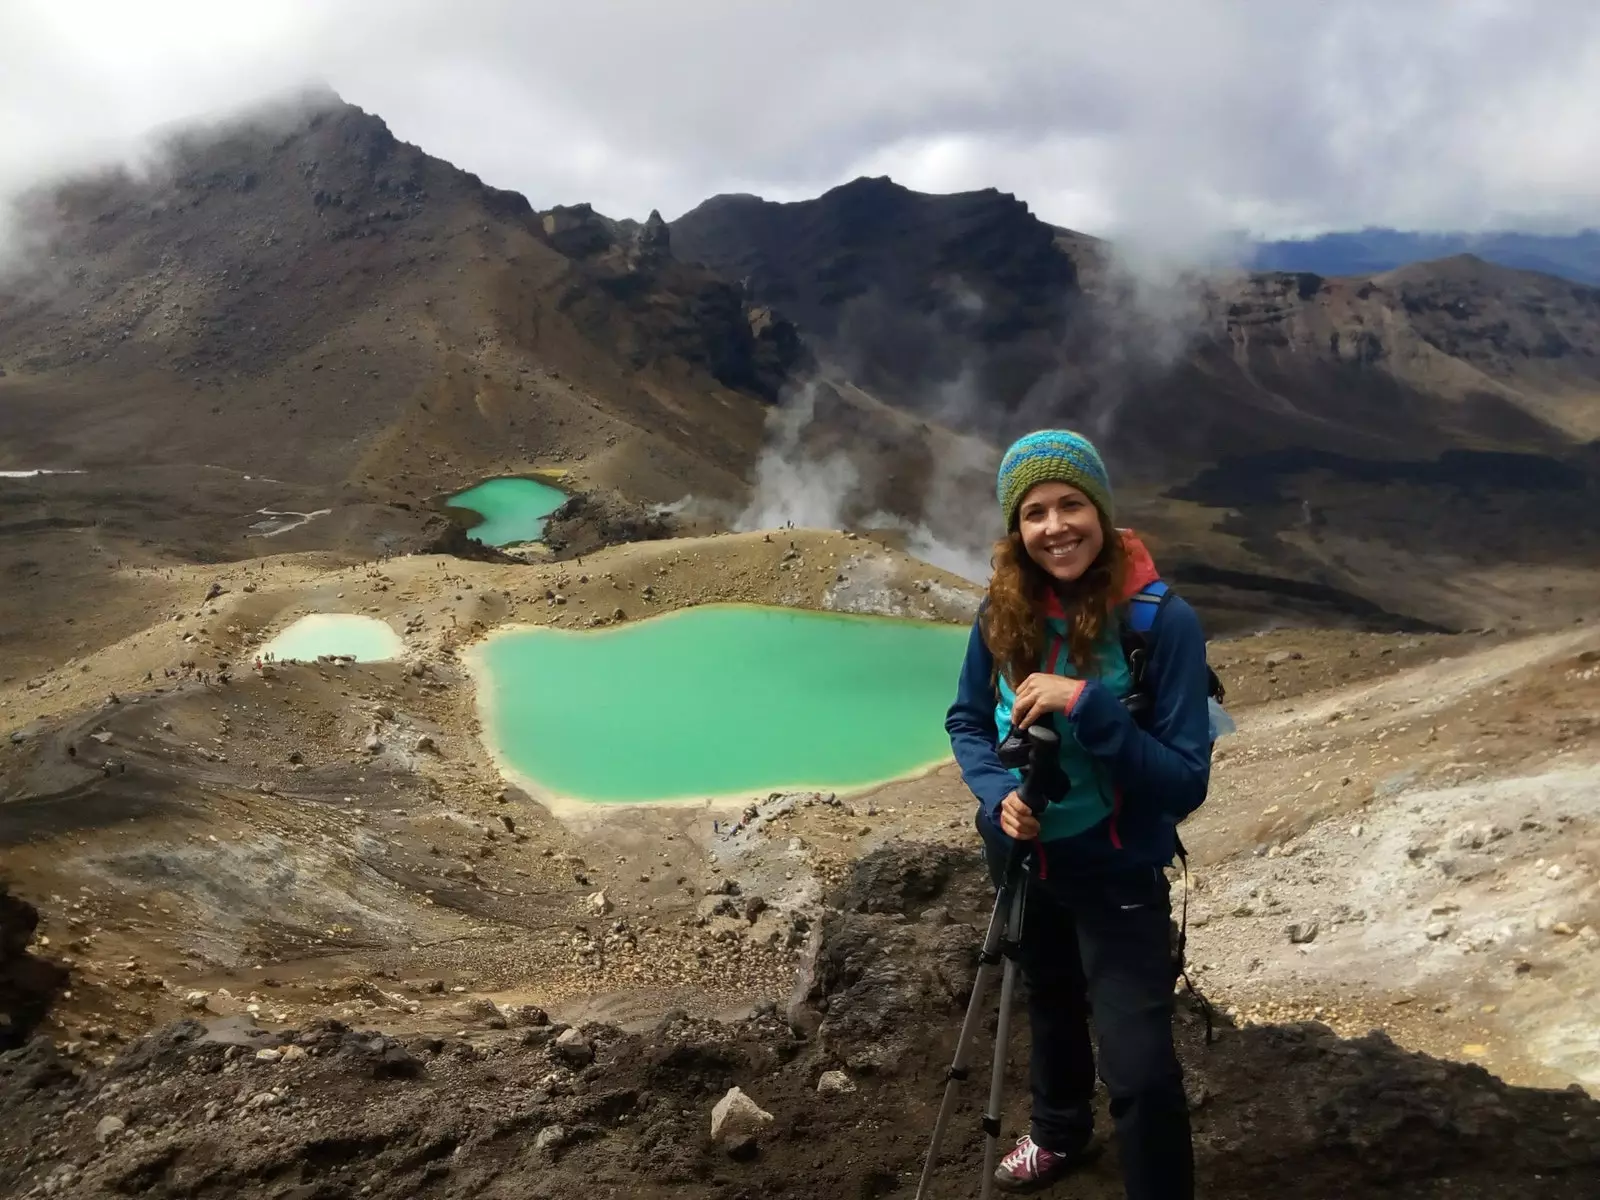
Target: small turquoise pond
point(513, 510)
point(366, 639)
point(718, 701)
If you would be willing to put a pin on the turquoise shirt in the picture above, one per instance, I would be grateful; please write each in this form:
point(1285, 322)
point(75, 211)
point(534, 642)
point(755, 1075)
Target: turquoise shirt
point(1091, 798)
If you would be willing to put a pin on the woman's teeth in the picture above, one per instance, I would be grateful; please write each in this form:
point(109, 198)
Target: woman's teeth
point(1064, 549)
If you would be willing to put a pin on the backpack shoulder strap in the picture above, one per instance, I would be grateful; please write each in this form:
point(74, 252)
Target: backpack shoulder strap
point(1143, 607)
point(1139, 617)
point(1145, 604)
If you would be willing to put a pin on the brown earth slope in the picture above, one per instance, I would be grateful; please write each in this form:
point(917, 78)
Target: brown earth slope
point(306, 297)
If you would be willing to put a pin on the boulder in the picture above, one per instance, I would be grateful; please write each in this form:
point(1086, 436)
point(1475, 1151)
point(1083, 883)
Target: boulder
point(736, 1117)
point(472, 1011)
point(1302, 932)
point(549, 1139)
point(28, 985)
point(573, 1048)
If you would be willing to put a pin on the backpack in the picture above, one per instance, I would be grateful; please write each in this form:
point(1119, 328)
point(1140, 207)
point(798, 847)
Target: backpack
point(1143, 607)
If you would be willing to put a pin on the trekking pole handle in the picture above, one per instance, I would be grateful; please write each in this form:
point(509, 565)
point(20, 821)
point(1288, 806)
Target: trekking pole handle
point(1043, 745)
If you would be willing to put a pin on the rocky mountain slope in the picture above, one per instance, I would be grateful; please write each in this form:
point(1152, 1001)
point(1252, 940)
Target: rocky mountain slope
point(918, 294)
point(299, 313)
point(1369, 440)
point(302, 296)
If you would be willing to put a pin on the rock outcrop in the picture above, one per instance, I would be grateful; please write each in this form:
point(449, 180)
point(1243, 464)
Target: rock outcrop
point(28, 984)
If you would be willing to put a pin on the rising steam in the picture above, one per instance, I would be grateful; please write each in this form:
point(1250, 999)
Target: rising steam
point(792, 487)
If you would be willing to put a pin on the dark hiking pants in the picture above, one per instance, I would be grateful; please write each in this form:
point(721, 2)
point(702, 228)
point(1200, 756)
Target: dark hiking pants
point(1098, 948)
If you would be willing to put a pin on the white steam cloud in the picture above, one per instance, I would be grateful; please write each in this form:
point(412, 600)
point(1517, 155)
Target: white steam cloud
point(792, 487)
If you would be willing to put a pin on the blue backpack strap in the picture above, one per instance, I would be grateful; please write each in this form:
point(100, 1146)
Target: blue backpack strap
point(1139, 617)
point(1144, 604)
point(1143, 607)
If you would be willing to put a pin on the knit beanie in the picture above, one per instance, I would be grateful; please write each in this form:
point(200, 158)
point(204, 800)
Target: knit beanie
point(1054, 455)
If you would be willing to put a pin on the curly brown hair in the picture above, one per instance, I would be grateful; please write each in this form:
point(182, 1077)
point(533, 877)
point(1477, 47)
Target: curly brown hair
point(1013, 621)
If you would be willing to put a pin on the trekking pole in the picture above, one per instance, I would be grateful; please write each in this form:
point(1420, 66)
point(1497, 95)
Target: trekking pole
point(1039, 746)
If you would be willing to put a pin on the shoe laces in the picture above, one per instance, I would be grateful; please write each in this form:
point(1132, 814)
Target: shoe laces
point(1026, 1154)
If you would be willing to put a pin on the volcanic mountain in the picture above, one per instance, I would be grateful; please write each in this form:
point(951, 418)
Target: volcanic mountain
point(1380, 437)
point(301, 294)
point(298, 312)
point(924, 296)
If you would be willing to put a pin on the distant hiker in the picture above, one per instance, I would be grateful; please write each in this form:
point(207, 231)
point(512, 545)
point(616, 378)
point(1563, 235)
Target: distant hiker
point(1049, 644)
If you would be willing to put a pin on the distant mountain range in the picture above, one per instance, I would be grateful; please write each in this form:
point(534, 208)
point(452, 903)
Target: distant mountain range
point(1574, 256)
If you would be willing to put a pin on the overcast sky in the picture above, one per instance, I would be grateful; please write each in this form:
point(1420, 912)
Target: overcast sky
point(1157, 118)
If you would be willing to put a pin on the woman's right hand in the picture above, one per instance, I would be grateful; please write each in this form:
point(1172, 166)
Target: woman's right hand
point(1017, 820)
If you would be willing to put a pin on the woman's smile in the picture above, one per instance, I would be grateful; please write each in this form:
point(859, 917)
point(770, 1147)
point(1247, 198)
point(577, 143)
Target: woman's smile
point(1060, 529)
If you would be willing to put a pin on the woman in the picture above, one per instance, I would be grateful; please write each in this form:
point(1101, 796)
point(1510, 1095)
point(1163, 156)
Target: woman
point(1047, 646)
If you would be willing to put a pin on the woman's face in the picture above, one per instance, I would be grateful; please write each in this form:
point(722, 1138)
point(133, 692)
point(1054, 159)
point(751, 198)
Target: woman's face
point(1060, 529)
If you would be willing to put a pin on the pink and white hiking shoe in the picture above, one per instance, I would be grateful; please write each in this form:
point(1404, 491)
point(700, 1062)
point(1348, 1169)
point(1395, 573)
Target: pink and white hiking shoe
point(1031, 1166)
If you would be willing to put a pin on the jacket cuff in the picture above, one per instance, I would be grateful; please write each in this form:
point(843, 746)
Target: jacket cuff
point(1096, 712)
point(991, 804)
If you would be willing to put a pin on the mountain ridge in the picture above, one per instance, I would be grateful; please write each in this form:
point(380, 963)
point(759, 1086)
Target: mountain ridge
point(1375, 249)
point(346, 323)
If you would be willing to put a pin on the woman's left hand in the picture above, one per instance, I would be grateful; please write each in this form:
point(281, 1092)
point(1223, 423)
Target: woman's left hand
point(1040, 694)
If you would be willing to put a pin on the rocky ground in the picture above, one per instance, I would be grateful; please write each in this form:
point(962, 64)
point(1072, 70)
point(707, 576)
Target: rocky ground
point(332, 837)
point(839, 1087)
point(1398, 840)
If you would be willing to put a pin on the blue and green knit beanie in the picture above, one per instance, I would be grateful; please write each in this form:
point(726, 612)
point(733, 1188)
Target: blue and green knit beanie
point(1052, 454)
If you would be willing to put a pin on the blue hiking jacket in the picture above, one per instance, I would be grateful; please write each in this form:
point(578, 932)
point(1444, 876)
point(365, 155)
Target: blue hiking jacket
point(1148, 779)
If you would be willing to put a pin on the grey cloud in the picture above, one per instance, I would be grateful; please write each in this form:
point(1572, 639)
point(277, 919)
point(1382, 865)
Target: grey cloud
point(1166, 121)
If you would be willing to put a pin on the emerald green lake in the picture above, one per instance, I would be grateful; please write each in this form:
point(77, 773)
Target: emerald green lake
point(513, 510)
point(719, 700)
